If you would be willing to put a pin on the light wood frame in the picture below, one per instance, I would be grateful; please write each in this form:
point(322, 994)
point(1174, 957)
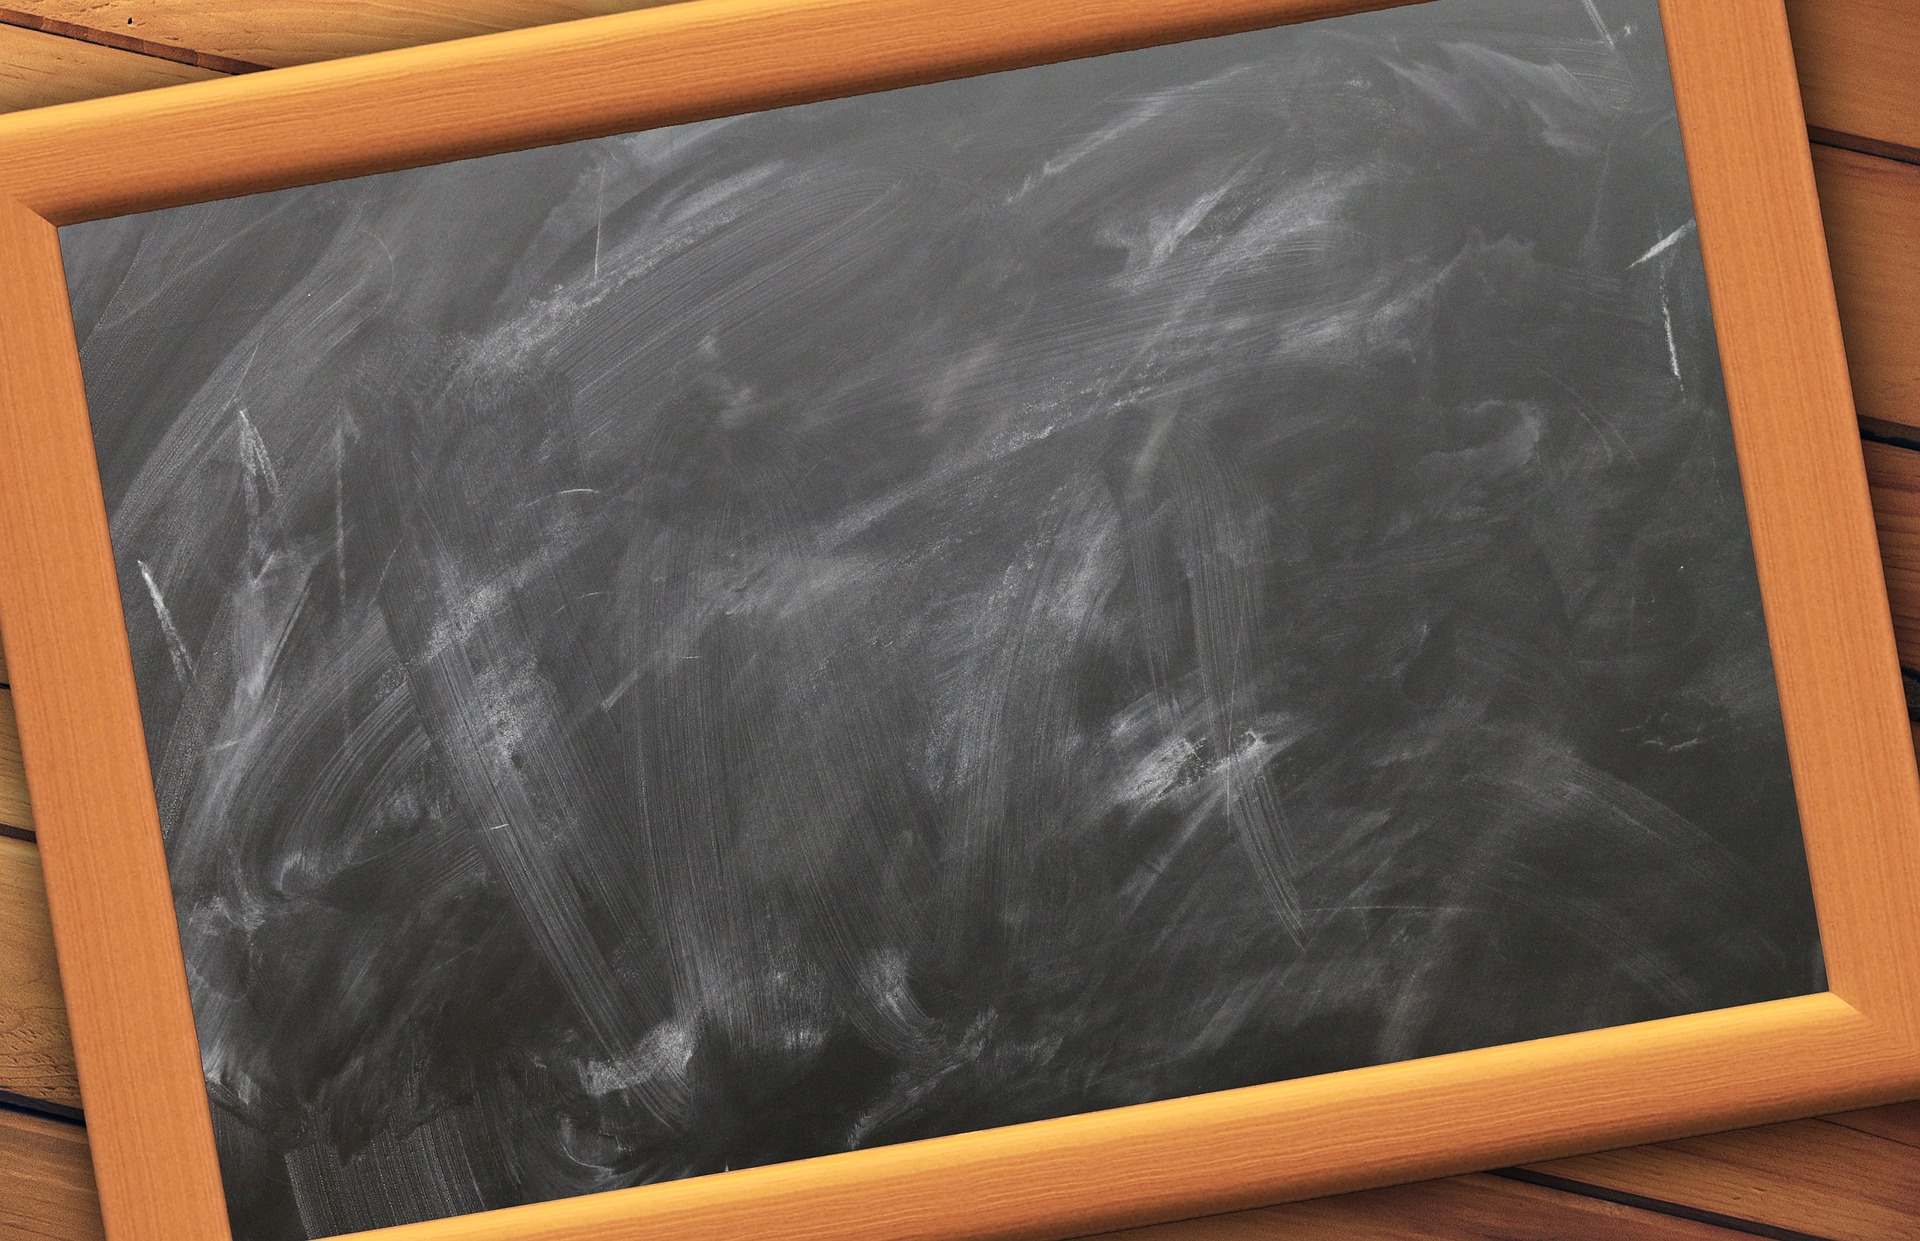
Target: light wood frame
point(1813, 537)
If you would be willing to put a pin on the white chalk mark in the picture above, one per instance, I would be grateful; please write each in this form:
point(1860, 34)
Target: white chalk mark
point(599, 217)
point(1673, 350)
point(263, 481)
point(340, 514)
point(384, 567)
point(1663, 245)
point(1607, 436)
point(620, 691)
point(1600, 25)
point(570, 491)
point(386, 252)
point(176, 647)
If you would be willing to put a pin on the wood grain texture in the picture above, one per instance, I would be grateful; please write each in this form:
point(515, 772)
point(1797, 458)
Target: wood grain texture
point(1813, 534)
point(125, 42)
point(36, 1051)
point(1827, 1179)
point(46, 1181)
point(1897, 1122)
point(38, 69)
point(1872, 211)
point(1894, 474)
point(294, 32)
point(1857, 61)
point(1487, 1208)
point(15, 809)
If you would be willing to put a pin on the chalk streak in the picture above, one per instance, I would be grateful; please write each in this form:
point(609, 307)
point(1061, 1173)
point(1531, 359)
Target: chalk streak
point(176, 648)
point(1664, 244)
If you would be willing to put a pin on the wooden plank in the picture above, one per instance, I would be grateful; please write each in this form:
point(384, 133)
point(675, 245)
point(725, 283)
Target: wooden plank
point(1486, 1207)
point(1897, 1122)
point(125, 42)
point(1857, 61)
point(36, 1052)
point(1826, 1179)
point(292, 32)
point(1893, 476)
point(46, 1180)
point(1871, 210)
point(38, 69)
point(15, 810)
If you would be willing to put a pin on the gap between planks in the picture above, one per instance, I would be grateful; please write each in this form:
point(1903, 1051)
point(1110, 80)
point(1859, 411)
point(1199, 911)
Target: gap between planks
point(121, 41)
point(46, 1180)
point(16, 810)
point(1870, 207)
point(1718, 1220)
point(38, 69)
point(248, 35)
point(36, 1047)
point(1856, 67)
point(1818, 1178)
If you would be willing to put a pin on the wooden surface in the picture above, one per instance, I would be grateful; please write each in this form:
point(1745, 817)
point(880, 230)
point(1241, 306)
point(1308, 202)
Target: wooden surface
point(1872, 209)
point(278, 34)
point(1809, 1175)
point(46, 1184)
point(1857, 65)
point(1852, 1175)
point(15, 810)
point(38, 69)
point(1895, 476)
point(1474, 1206)
point(36, 1052)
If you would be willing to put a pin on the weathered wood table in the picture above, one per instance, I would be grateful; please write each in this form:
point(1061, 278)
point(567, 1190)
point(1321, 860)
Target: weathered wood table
point(1853, 1177)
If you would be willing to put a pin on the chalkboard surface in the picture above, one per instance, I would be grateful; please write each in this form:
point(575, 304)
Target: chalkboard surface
point(923, 612)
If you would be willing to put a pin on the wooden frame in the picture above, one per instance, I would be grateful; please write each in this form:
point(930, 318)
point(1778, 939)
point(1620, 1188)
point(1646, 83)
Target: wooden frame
point(1812, 532)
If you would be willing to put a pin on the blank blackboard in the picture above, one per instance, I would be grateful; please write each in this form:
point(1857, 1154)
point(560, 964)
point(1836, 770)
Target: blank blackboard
point(924, 612)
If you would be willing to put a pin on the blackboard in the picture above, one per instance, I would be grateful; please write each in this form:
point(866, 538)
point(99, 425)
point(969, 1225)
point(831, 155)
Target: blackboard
point(924, 612)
